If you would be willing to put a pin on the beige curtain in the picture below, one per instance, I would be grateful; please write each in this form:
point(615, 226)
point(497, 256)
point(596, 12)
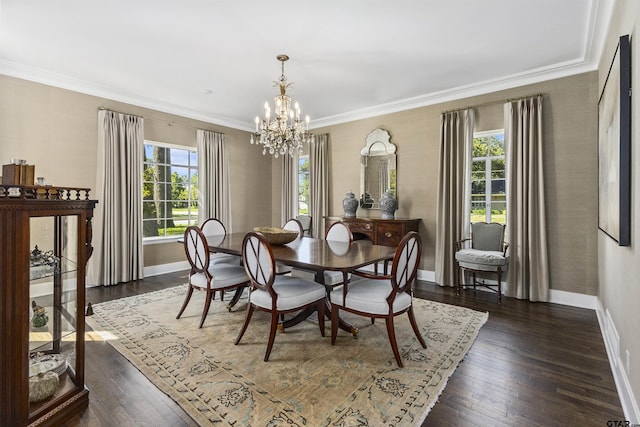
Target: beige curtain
point(118, 255)
point(454, 190)
point(319, 183)
point(214, 191)
point(289, 208)
point(528, 273)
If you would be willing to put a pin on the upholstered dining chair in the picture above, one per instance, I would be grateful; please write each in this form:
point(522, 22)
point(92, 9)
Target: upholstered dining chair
point(275, 294)
point(484, 253)
point(340, 233)
point(214, 227)
point(305, 220)
point(208, 277)
point(383, 296)
point(291, 225)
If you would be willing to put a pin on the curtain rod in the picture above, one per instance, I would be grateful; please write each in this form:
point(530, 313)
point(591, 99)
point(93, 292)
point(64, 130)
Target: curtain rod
point(492, 103)
point(170, 123)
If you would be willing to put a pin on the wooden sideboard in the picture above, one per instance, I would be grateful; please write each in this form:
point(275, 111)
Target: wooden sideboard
point(386, 232)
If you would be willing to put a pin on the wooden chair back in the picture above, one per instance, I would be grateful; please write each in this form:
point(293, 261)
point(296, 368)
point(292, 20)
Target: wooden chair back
point(257, 257)
point(404, 268)
point(196, 249)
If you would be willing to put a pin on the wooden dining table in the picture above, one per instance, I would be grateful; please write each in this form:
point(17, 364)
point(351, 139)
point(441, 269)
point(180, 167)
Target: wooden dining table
point(316, 255)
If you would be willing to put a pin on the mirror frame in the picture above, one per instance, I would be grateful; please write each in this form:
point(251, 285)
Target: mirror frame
point(377, 143)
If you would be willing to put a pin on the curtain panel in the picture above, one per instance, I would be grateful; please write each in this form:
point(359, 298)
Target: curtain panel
point(118, 250)
point(454, 190)
point(319, 183)
point(214, 188)
point(528, 271)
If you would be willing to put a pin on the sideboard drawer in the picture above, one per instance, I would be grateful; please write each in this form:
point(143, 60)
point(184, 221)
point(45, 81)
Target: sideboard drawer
point(389, 234)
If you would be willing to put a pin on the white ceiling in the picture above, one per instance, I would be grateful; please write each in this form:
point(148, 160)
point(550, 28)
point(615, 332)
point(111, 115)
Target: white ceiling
point(349, 59)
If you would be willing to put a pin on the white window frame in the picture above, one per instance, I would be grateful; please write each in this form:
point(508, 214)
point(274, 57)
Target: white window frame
point(192, 217)
point(488, 171)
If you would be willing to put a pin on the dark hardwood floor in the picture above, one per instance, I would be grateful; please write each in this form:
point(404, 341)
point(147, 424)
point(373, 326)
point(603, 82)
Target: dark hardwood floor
point(533, 364)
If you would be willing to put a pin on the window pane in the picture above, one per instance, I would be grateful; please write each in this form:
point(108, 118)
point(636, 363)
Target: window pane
point(149, 228)
point(148, 210)
point(179, 157)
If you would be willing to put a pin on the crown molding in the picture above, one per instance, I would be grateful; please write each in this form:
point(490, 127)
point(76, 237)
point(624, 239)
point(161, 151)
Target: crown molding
point(89, 88)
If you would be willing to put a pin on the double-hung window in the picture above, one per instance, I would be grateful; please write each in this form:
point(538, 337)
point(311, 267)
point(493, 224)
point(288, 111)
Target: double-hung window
point(169, 190)
point(488, 178)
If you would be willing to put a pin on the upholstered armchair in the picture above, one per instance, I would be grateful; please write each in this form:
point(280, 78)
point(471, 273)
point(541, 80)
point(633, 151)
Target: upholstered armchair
point(483, 254)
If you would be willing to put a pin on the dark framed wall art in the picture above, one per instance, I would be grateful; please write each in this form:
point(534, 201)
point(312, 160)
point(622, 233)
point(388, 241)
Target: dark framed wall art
point(614, 148)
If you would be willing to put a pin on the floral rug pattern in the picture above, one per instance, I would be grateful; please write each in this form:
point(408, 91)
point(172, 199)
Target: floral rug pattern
point(307, 381)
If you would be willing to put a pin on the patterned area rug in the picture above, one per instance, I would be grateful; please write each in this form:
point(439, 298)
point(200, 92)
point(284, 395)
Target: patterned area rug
point(307, 381)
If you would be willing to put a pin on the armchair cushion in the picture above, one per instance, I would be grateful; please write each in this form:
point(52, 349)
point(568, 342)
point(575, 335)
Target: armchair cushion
point(476, 259)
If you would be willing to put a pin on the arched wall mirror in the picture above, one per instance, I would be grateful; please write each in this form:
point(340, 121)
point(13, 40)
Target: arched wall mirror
point(377, 168)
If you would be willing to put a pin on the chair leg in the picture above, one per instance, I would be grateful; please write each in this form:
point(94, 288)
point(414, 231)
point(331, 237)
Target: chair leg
point(207, 304)
point(186, 301)
point(391, 331)
point(272, 333)
point(247, 319)
point(459, 276)
point(414, 325)
point(321, 313)
point(334, 323)
point(499, 285)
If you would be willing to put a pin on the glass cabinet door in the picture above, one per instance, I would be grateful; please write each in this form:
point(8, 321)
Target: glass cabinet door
point(53, 308)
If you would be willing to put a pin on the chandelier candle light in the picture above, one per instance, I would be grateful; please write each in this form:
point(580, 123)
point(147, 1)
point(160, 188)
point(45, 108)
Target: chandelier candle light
point(285, 132)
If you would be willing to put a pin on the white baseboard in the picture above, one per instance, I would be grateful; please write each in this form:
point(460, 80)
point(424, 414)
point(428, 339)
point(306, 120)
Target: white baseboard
point(155, 270)
point(612, 344)
point(573, 299)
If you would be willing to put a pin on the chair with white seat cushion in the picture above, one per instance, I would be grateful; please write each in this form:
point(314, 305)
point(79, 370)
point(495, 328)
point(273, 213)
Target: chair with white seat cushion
point(291, 225)
point(338, 232)
point(275, 294)
point(208, 277)
point(214, 227)
point(485, 252)
point(383, 296)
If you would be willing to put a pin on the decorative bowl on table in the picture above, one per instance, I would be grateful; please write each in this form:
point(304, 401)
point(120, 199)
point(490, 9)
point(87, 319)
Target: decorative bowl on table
point(277, 236)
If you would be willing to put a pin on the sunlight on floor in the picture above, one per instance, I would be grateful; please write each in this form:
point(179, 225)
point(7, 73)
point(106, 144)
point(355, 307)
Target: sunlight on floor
point(88, 336)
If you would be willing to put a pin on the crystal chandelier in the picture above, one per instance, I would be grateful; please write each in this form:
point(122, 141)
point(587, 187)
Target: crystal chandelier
point(285, 132)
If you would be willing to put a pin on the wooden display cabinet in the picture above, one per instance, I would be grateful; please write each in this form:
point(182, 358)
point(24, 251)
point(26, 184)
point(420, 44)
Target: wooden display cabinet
point(58, 221)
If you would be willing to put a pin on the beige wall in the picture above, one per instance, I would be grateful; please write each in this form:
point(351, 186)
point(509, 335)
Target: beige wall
point(570, 122)
point(56, 130)
point(619, 267)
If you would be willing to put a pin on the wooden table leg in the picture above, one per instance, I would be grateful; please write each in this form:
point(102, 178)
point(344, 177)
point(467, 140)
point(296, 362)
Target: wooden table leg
point(304, 314)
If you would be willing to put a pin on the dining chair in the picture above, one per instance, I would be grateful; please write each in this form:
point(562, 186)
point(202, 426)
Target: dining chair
point(305, 220)
point(208, 277)
point(211, 227)
point(275, 294)
point(291, 225)
point(482, 254)
point(339, 233)
point(383, 296)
